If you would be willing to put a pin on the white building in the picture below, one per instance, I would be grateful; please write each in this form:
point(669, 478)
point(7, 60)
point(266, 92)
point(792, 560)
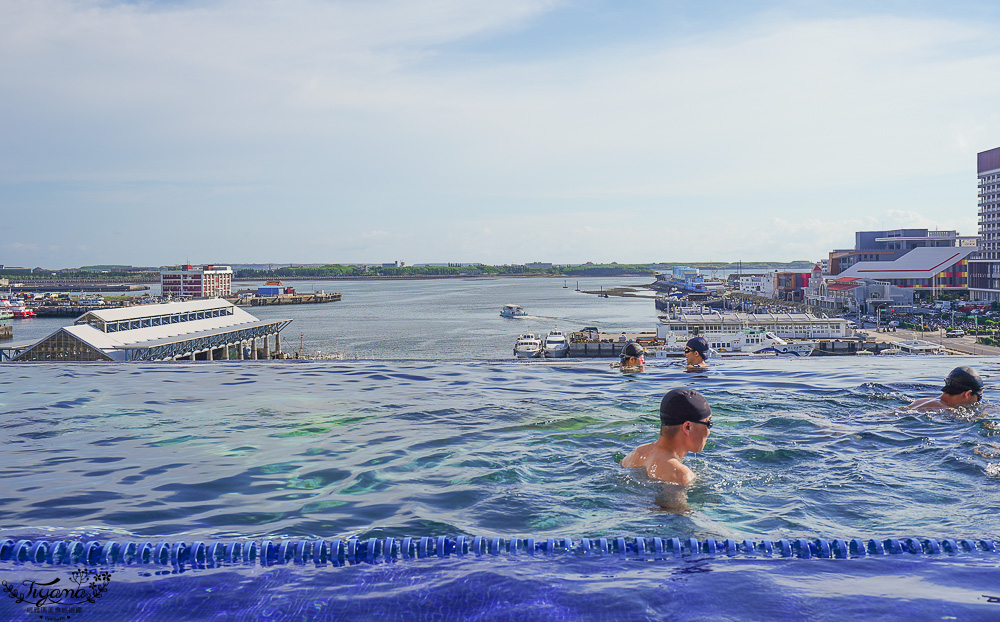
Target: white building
point(204, 282)
point(193, 330)
point(757, 284)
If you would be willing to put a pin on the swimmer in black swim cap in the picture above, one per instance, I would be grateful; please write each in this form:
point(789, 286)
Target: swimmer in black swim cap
point(632, 357)
point(685, 421)
point(695, 353)
point(962, 387)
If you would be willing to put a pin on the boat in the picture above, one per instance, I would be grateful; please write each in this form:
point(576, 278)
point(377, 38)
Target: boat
point(556, 345)
point(688, 280)
point(744, 342)
point(16, 309)
point(528, 346)
point(685, 322)
point(512, 311)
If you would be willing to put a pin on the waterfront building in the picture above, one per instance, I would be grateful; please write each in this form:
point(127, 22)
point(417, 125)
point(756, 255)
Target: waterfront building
point(984, 269)
point(194, 330)
point(789, 285)
point(756, 284)
point(876, 246)
point(928, 270)
point(850, 294)
point(687, 321)
point(188, 281)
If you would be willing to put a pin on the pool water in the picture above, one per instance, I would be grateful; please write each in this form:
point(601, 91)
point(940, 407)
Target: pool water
point(802, 448)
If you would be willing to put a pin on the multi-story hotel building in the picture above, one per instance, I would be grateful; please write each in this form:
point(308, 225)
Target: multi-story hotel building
point(191, 282)
point(984, 269)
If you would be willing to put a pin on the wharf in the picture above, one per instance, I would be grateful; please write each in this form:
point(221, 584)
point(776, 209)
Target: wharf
point(590, 344)
point(42, 286)
point(70, 310)
point(284, 299)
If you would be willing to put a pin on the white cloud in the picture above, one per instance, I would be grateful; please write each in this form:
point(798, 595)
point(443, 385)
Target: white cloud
point(775, 138)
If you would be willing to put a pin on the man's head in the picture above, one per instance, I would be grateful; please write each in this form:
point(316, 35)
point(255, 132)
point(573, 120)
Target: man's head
point(687, 411)
point(696, 350)
point(964, 385)
point(632, 355)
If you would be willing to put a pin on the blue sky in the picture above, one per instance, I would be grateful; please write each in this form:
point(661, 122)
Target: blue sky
point(309, 131)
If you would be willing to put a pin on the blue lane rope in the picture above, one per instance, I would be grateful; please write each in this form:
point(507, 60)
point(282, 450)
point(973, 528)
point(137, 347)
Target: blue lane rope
point(372, 550)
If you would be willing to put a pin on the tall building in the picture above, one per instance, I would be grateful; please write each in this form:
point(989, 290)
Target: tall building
point(984, 270)
point(191, 282)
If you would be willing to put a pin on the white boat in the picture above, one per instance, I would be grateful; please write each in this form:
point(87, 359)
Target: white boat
point(512, 311)
point(556, 345)
point(686, 321)
point(528, 346)
point(745, 342)
point(16, 308)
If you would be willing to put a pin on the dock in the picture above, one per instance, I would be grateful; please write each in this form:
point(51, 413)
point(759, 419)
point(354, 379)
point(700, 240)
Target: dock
point(284, 299)
point(70, 310)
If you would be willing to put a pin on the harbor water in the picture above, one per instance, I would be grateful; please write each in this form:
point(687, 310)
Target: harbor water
point(454, 437)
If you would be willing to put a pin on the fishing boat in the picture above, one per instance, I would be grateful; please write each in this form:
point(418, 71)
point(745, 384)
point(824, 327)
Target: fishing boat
point(512, 311)
point(556, 345)
point(528, 346)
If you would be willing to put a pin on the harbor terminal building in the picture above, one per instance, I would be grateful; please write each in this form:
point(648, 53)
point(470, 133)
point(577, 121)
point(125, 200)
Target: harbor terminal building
point(210, 329)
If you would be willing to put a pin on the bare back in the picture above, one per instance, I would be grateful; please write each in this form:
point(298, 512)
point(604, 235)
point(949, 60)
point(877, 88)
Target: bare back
point(661, 464)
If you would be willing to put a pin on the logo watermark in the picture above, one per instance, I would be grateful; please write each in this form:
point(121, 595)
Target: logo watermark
point(57, 597)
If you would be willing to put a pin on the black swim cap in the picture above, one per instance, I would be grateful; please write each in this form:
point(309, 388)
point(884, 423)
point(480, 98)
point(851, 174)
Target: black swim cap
point(963, 379)
point(632, 349)
point(680, 405)
point(699, 345)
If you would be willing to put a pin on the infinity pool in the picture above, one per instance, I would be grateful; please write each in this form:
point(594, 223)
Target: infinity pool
point(255, 451)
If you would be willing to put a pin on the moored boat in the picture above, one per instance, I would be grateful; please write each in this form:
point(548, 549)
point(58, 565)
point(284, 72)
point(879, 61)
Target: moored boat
point(556, 344)
point(739, 343)
point(528, 346)
point(15, 308)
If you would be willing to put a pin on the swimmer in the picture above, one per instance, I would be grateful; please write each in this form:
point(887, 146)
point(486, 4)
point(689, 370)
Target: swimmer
point(632, 357)
point(695, 352)
point(685, 419)
point(962, 387)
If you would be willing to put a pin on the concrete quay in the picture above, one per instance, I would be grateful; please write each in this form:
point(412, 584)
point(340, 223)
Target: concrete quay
point(954, 345)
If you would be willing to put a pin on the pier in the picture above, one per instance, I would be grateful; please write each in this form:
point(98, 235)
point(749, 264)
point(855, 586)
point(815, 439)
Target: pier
point(70, 310)
point(284, 299)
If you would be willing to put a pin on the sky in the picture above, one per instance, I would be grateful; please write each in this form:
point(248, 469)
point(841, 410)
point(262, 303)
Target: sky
point(154, 133)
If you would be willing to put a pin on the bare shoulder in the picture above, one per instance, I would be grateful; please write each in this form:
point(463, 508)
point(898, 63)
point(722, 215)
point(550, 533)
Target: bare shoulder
point(927, 403)
point(637, 457)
